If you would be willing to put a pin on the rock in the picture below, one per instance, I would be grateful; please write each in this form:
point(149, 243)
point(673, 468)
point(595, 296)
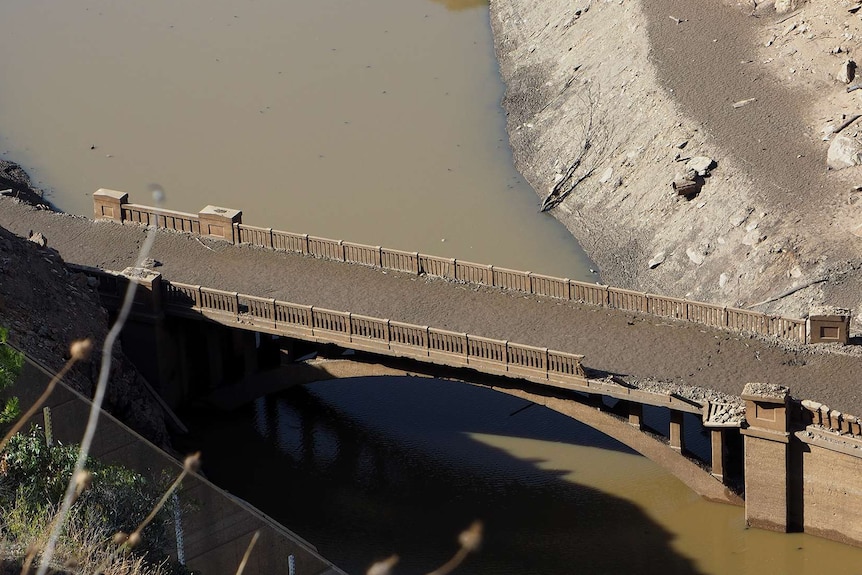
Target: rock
point(847, 72)
point(722, 280)
point(606, 176)
point(657, 260)
point(753, 238)
point(687, 184)
point(752, 226)
point(38, 239)
point(737, 220)
point(694, 255)
point(782, 6)
point(844, 152)
point(700, 165)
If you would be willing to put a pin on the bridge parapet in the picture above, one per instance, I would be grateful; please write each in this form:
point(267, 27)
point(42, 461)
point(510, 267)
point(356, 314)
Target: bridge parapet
point(226, 224)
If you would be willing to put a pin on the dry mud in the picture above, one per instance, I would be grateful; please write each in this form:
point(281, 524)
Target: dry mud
point(650, 84)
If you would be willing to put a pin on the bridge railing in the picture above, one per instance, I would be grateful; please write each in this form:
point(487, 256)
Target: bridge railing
point(376, 334)
point(160, 218)
point(536, 284)
point(468, 272)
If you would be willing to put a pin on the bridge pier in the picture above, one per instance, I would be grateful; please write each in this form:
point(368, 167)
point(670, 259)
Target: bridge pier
point(636, 414)
point(719, 449)
point(767, 456)
point(676, 436)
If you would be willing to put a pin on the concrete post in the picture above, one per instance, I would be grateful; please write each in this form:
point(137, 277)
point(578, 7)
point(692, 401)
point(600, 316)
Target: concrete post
point(108, 204)
point(767, 456)
point(676, 432)
point(218, 222)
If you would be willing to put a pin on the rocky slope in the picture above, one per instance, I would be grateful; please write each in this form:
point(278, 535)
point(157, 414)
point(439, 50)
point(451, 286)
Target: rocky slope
point(608, 100)
point(46, 307)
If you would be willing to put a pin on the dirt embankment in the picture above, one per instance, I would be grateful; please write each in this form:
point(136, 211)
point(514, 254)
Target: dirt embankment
point(606, 100)
point(45, 307)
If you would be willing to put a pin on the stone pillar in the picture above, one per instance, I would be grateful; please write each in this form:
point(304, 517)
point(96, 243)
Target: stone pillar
point(148, 295)
point(677, 441)
point(218, 222)
point(767, 456)
point(107, 204)
point(636, 414)
point(831, 328)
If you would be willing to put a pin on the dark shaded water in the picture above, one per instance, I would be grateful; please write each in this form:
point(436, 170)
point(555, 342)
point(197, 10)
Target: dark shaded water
point(368, 467)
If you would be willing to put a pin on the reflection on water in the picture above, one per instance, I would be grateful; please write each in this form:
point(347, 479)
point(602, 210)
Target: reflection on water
point(377, 122)
point(462, 4)
point(368, 467)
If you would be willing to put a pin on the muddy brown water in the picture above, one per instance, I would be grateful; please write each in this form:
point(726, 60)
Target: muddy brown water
point(375, 121)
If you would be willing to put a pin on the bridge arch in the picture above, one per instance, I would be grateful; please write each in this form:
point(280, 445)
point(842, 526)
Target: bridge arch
point(695, 476)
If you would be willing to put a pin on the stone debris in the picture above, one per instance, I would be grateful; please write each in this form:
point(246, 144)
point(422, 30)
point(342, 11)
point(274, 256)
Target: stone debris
point(753, 238)
point(766, 390)
point(722, 280)
point(783, 6)
point(37, 238)
point(847, 72)
point(700, 165)
point(844, 151)
point(696, 256)
point(745, 102)
point(606, 176)
point(687, 185)
point(657, 260)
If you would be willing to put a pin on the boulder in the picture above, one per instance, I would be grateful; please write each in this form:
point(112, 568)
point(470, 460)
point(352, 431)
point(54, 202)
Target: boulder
point(700, 165)
point(847, 72)
point(844, 152)
point(657, 260)
point(694, 255)
point(782, 6)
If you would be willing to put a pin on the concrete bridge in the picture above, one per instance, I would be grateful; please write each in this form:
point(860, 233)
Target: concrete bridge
point(579, 346)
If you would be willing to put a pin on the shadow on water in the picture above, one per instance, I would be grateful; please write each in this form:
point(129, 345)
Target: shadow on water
point(366, 468)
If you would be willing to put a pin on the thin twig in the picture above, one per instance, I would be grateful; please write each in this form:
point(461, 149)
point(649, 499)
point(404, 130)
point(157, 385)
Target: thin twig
point(788, 292)
point(98, 398)
point(247, 554)
point(788, 17)
point(847, 122)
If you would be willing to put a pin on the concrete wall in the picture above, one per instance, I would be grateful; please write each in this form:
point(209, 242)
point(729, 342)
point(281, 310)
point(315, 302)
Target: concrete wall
point(831, 487)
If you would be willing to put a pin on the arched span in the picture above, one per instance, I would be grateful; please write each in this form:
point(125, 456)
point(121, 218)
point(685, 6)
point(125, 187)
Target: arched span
point(686, 470)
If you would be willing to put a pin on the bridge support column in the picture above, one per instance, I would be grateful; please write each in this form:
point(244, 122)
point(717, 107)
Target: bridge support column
point(676, 431)
point(717, 441)
point(636, 414)
point(767, 456)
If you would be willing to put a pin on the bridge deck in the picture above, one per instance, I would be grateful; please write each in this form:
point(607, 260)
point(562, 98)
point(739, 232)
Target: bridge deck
point(618, 342)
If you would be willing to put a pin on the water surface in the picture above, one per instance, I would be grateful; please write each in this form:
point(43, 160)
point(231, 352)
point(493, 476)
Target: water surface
point(375, 121)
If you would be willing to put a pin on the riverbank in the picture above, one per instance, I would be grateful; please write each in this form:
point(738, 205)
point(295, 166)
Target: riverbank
point(649, 85)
